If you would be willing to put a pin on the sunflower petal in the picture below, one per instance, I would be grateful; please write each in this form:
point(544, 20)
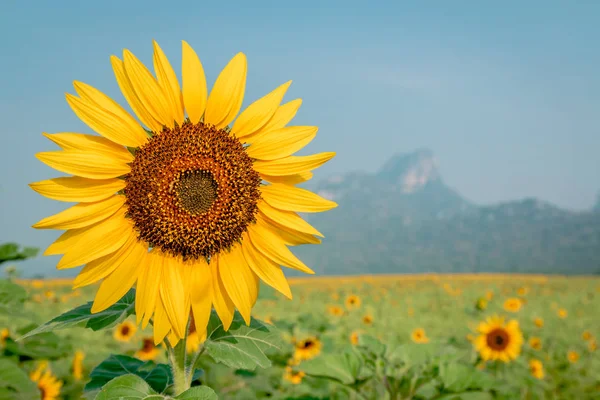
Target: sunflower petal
point(86, 164)
point(169, 83)
point(288, 219)
point(281, 142)
point(147, 89)
point(172, 294)
point(223, 304)
point(161, 322)
point(194, 83)
point(284, 114)
point(239, 281)
point(201, 296)
point(292, 164)
point(259, 113)
point(107, 124)
point(77, 189)
point(291, 198)
point(82, 214)
point(289, 236)
point(83, 142)
point(265, 268)
point(131, 97)
point(272, 247)
point(66, 241)
point(118, 283)
point(148, 287)
point(227, 94)
point(101, 239)
point(288, 179)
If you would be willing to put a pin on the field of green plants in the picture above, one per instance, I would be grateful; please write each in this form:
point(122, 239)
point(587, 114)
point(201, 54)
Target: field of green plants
point(391, 337)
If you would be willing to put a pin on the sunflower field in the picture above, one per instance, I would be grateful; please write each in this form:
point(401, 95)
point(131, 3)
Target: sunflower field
point(366, 337)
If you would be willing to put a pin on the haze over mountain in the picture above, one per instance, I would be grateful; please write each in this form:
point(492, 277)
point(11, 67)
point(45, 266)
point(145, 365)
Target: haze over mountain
point(405, 219)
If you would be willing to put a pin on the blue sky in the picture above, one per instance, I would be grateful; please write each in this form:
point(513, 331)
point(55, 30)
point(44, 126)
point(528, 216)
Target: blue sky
point(507, 94)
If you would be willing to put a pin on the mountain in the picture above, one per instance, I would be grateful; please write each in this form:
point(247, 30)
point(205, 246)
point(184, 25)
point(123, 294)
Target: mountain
point(596, 207)
point(405, 219)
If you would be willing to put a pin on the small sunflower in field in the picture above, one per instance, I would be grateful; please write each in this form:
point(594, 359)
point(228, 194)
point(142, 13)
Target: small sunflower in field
point(307, 348)
point(573, 356)
point(489, 295)
point(352, 302)
point(367, 319)
point(513, 304)
point(499, 340)
point(77, 365)
point(522, 291)
point(336, 311)
point(37, 284)
point(562, 313)
point(148, 351)
point(539, 322)
point(535, 343)
point(536, 368)
point(354, 336)
point(193, 202)
point(294, 377)
point(419, 336)
point(48, 384)
point(481, 303)
point(4, 334)
point(124, 331)
point(592, 345)
point(587, 335)
point(193, 340)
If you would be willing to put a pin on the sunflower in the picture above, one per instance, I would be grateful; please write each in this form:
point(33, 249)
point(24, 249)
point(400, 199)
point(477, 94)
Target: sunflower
point(336, 311)
point(573, 356)
point(498, 340)
point(587, 335)
point(481, 304)
point(354, 338)
point(148, 351)
point(194, 339)
point(352, 302)
point(522, 291)
point(535, 343)
point(77, 365)
point(367, 319)
point(419, 336)
point(513, 304)
point(562, 313)
point(489, 295)
point(293, 377)
point(307, 348)
point(124, 331)
point(4, 334)
point(539, 322)
point(536, 368)
point(48, 385)
point(592, 345)
point(190, 210)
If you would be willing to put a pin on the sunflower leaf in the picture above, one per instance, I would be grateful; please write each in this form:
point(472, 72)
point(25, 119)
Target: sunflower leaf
point(44, 346)
point(11, 252)
point(12, 297)
point(345, 367)
point(198, 393)
point(82, 317)
point(130, 387)
point(14, 382)
point(242, 346)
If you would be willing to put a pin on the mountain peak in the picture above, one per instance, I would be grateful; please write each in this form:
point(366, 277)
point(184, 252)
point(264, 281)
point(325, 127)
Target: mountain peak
point(411, 171)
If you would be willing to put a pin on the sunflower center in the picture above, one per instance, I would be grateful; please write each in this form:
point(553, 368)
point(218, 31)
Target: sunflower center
point(308, 344)
point(124, 330)
point(498, 339)
point(147, 345)
point(42, 390)
point(192, 191)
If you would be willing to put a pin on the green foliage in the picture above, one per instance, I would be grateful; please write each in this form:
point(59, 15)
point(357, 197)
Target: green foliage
point(133, 387)
point(12, 252)
point(12, 298)
point(14, 383)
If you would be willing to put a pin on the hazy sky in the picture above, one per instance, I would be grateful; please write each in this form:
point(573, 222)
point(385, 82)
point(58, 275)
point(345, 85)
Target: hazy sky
point(507, 94)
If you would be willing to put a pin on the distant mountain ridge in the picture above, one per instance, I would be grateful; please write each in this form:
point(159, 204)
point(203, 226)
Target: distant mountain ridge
point(404, 218)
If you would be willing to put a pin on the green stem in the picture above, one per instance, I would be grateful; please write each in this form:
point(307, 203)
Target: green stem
point(177, 359)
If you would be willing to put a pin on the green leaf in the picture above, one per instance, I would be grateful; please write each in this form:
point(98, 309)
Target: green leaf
point(15, 384)
point(372, 345)
point(345, 367)
point(12, 297)
point(159, 377)
point(10, 252)
point(198, 393)
point(467, 396)
point(46, 345)
point(242, 346)
point(128, 387)
point(82, 317)
point(457, 377)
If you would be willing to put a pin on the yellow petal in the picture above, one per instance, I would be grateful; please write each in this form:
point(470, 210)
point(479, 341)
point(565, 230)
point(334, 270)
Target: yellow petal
point(288, 179)
point(82, 214)
point(161, 322)
point(259, 113)
point(223, 304)
point(84, 163)
point(169, 83)
point(77, 189)
point(227, 94)
point(66, 241)
point(272, 247)
point(194, 83)
point(281, 142)
point(105, 265)
point(266, 269)
point(131, 97)
point(147, 89)
point(83, 142)
point(239, 281)
point(107, 124)
point(101, 239)
point(289, 236)
point(118, 283)
point(172, 294)
point(148, 287)
point(201, 295)
point(287, 218)
point(284, 114)
point(293, 164)
point(291, 198)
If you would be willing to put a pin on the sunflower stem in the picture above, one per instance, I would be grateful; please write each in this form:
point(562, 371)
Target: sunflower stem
point(177, 358)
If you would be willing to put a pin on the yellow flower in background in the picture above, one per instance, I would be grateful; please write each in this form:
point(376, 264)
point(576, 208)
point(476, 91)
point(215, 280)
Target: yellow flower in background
point(352, 302)
point(148, 351)
point(354, 336)
point(489, 295)
point(48, 385)
point(522, 291)
point(307, 348)
point(573, 356)
point(562, 313)
point(538, 322)
point(419, 336)
point(124, 331)
point(4, 334)
point(336, 311)
point(587, 335)
point(536, 368)
point(293, 377)
point(367, 319)
point(194, 339)
point(513, 304)
point(186, 183)
point(77, 366)
point(499, 340)
point(535, 343)
point(481, 304)
point(592, 345)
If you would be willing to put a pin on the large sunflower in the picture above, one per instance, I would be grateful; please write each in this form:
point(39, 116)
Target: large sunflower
point(498, 340)
point(48, 385)
point(186, 208)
